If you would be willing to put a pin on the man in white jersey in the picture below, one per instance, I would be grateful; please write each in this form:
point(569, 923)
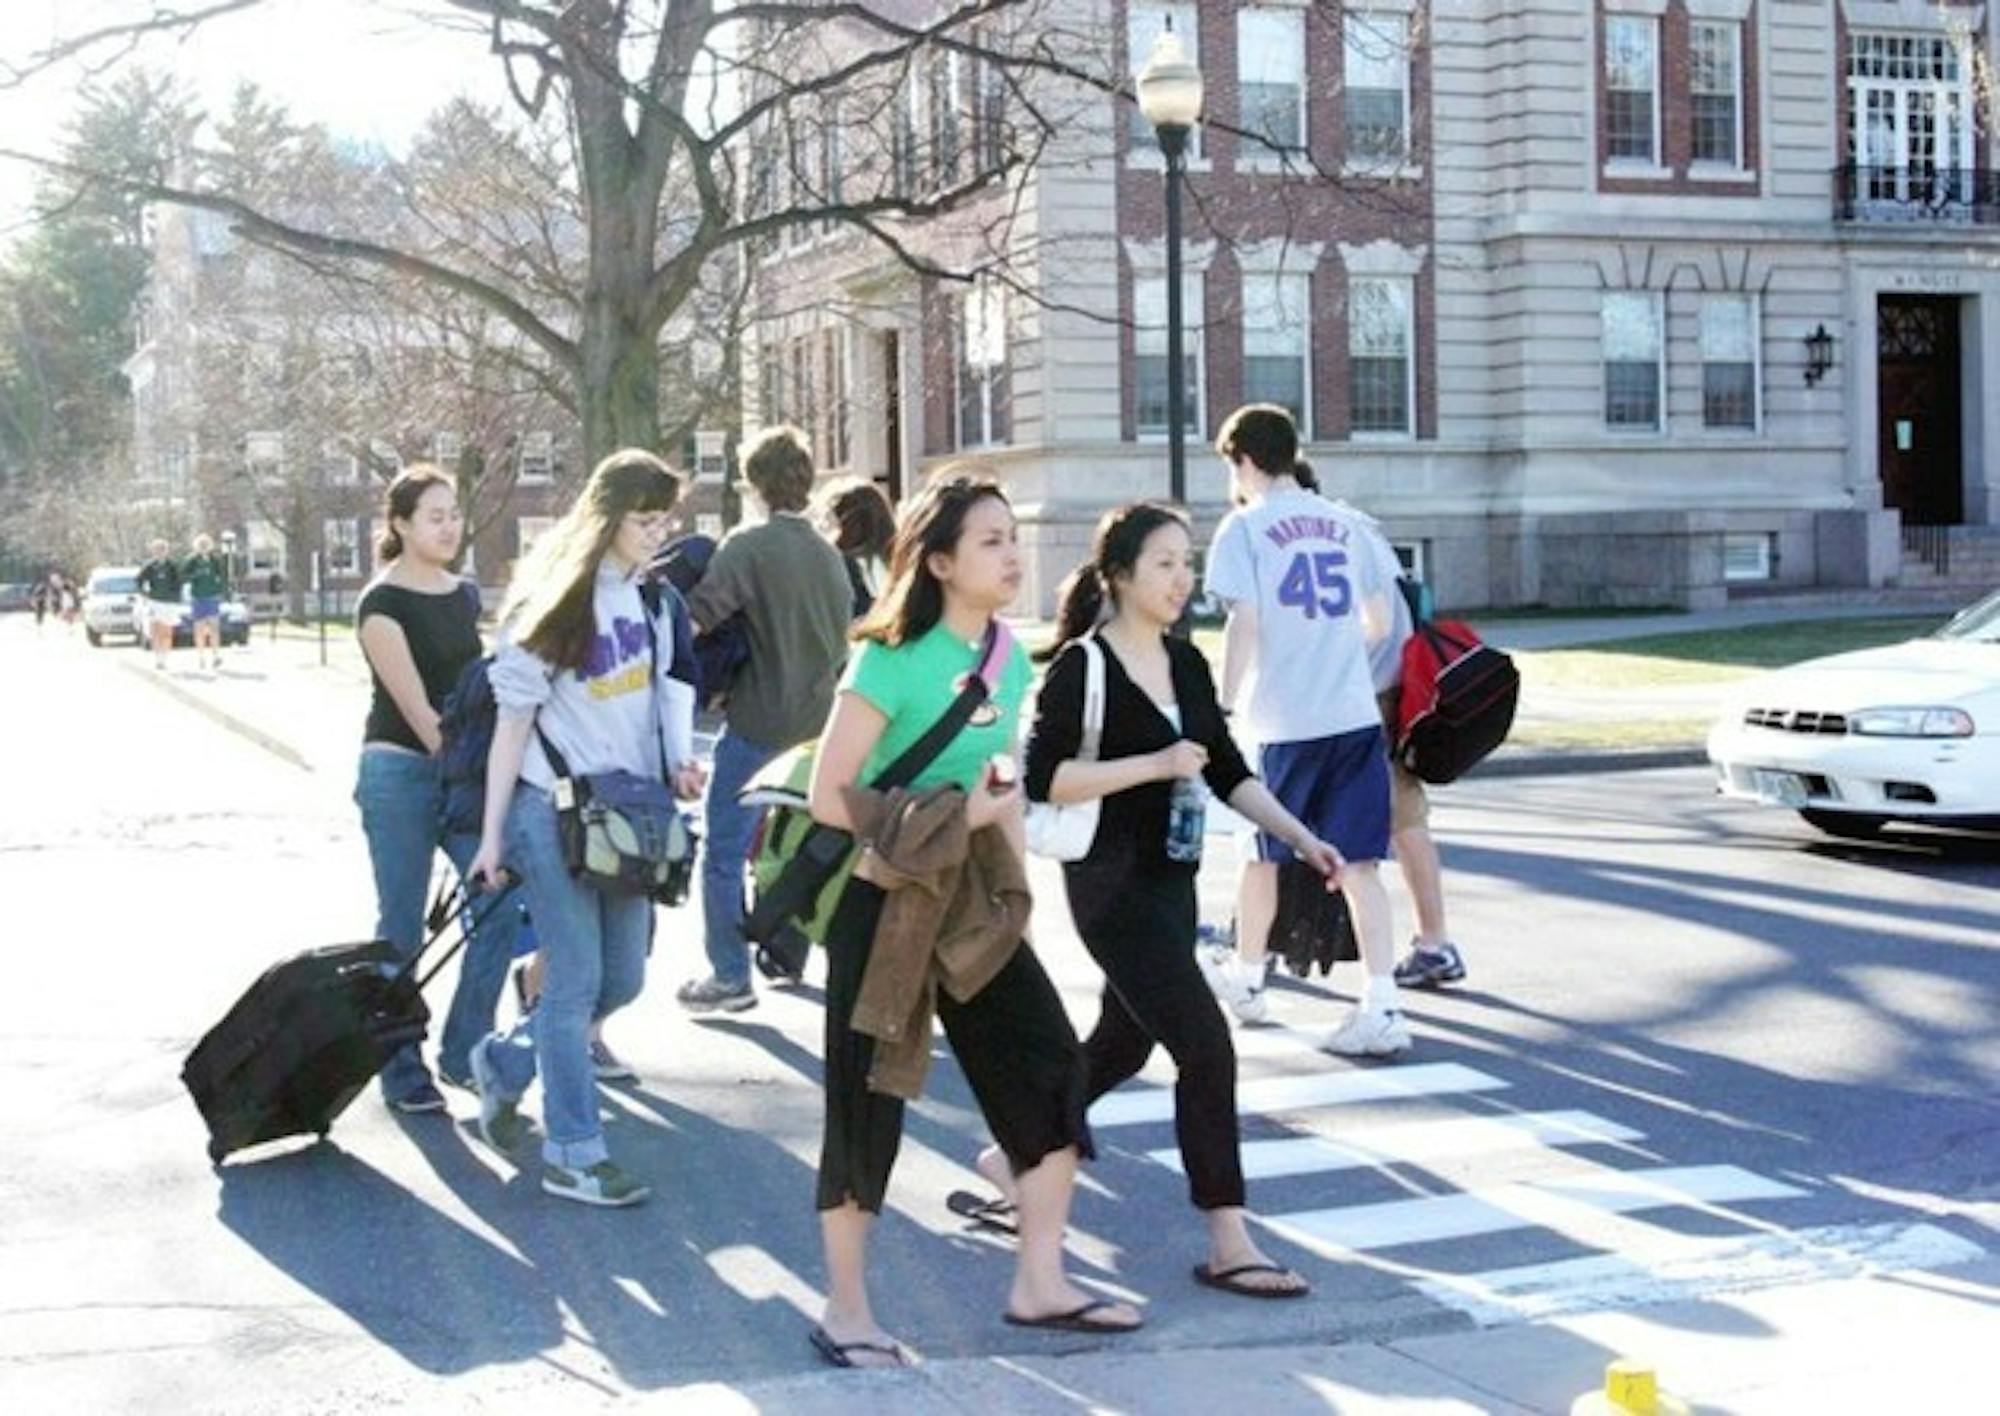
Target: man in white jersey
point(1314, 620)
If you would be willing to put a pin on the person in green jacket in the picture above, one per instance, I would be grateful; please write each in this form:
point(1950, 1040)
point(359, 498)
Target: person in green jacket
point(207, 577)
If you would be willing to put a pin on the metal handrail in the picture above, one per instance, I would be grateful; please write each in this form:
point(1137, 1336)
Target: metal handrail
point(1966, 195)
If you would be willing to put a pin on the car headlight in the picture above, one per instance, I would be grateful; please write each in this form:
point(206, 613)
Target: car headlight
point(1911, 722)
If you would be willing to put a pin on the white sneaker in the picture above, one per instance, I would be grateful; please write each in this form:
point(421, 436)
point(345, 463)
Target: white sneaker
point(1380, 1033)
point(1236, 982)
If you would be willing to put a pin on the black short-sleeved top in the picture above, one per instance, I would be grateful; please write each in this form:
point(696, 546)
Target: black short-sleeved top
point(1132, 829)
point(443, 634)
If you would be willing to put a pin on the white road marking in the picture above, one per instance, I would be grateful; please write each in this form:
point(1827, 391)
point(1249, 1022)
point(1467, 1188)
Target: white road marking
point(1269, 1095)
point(1420, 1142)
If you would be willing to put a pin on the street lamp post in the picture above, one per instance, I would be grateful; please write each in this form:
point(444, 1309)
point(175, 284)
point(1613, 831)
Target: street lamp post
point(1170, 97)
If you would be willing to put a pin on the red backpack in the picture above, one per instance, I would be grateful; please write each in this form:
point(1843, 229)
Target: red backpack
point(1457, 700)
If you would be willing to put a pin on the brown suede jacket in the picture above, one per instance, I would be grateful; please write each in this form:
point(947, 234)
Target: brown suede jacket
point(956, 911)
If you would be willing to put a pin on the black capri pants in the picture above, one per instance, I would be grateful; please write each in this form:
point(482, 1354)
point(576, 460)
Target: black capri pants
point(1139, 924)
point(1013, 1042)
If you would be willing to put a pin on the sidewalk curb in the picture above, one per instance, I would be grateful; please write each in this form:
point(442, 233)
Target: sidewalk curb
point(220, 716)
point(1560, 764)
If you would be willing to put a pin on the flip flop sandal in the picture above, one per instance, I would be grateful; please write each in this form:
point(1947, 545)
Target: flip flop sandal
point(836, 1353)
point(995, 1215)
point(1230, 1281)
point(1075, 1320)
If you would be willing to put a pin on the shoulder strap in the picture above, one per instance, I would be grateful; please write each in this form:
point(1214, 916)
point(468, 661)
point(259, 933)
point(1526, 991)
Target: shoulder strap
point(921, 753)
point(1093, 698)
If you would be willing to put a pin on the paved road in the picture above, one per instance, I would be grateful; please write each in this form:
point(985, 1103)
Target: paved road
point(1701, 1050)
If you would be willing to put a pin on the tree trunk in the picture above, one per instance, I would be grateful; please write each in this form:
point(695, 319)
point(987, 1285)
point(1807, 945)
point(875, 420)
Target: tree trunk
point(620, 395)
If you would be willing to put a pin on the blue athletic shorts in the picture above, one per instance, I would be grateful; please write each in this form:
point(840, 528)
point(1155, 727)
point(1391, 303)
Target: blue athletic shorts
point(206, 607)
point(1338, 786)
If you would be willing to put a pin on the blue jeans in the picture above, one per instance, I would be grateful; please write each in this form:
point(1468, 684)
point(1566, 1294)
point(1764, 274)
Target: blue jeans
point(399, 794)
point(594, 945)
point(726, 852)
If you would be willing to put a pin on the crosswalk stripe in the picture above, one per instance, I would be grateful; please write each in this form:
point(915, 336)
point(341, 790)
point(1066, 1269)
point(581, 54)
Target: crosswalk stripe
point(1420, 1142)
point(1680, 1266)
point(1558, 1204)
point(1267, 1095)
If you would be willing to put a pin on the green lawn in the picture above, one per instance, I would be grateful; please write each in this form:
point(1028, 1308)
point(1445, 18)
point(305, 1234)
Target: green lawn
point(1711, 656)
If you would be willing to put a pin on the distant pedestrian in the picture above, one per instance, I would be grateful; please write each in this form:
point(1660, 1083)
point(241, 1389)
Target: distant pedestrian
point(1313, 611)
point(791, 590)
point(68, 599)
point(46, 598)
point(587, 668)
point(1159, 728)
point(207, 577)
point(418, 625)
point(160, 589)
point(862, 526)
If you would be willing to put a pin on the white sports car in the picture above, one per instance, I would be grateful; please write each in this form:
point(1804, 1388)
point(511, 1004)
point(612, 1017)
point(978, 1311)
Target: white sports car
point(1909, 732)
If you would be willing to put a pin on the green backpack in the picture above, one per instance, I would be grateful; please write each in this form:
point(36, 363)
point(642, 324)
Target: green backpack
point(798, 868)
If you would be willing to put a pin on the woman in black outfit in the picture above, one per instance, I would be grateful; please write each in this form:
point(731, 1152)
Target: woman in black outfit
point(1135, 907)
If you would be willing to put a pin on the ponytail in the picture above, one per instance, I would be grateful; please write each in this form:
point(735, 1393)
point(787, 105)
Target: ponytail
point(1303, 474)
point(1079, 609)
point(388, 546)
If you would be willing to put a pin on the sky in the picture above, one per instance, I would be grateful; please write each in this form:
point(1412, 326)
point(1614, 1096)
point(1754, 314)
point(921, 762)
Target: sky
point(370, 70)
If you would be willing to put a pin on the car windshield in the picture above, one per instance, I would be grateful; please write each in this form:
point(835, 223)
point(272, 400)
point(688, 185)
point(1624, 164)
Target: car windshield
point(1980, 623)
point(114, 585)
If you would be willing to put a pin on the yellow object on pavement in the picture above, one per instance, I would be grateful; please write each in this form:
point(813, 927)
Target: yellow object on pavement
point(1630, 1389)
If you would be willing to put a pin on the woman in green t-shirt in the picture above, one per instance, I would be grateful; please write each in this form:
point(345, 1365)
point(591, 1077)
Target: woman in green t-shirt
point(955, 564)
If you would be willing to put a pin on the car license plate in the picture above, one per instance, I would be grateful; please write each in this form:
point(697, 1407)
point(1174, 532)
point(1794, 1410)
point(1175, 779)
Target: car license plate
point(1779, 788)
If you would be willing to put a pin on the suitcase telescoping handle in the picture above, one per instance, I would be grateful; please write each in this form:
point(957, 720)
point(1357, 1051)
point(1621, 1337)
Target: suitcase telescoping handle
point(454, 902)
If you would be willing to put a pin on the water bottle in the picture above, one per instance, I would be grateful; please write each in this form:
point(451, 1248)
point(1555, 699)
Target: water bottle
point(1187, 814)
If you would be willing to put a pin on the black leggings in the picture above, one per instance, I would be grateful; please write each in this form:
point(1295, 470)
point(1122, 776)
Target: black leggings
point(1012, 1040)
point(1139, 925)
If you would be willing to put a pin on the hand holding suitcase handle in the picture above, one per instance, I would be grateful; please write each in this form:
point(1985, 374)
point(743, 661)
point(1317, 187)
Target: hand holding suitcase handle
point(453, 903)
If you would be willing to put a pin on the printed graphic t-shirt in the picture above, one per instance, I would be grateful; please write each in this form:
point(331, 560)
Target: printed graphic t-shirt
point(1322, 581)
point(914, 683)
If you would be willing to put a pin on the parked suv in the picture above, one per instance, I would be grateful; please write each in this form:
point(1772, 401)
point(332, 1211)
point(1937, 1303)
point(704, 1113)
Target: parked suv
point(109, 598)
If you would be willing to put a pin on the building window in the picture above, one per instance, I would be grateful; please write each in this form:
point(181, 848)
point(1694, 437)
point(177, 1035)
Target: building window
point(1380, 338)
point(1631, 88)
point(339, 467)
point(711, 454)
point(989, 113)
point(831, 162)
point(1276, 324)
point(526, 531)
point(266, 548)
point(841, 396)
point(1270, 86)
point(1144, 24)
point(538, 458)
point(383, 459)
point(1377, 92)
point(943, 77)
point(1910, 119)
point(1729, 361)
point(1749, 555)
point(1715, 85)
point(446, 449)
point(264, 456)
point(903, 137)
point(1149, 344)
point(342, 544)
point(983, 392)
point(1634, 369)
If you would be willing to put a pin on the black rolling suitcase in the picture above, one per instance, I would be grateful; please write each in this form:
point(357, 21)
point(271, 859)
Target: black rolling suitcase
point(306, 1037)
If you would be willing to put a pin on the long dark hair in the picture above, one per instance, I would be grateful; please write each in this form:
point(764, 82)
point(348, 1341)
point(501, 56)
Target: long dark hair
point(864, 524)
point(399, 503)
point(550, 598)
point(1114, 551)
point(912, 602)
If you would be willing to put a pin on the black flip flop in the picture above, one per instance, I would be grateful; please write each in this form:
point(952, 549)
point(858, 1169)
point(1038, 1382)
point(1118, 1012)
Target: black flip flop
point(1075, 1320)
point(835, 1353)
point(1228, 1281)
point(996, 1215)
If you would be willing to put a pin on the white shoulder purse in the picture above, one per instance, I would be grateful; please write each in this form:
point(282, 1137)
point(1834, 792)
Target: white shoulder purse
point(1065, 832)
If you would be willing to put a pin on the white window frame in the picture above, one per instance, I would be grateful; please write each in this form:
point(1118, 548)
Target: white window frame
point(337, 535)
point(1193, 287)
point(264, 450)
point(1756, 304)
point(1763, 557)
point(711, 455)
point(342, 468)
point(446, 449)
point(537, 459)
point(1409, 430)
point(1626, 166)
point(1635, 430)
point(1697, 165)
point(264, 549)
point(1145, 151)
point(991, 301)
point(1252, 154)
point(1303, 278)
point(1377, 166)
